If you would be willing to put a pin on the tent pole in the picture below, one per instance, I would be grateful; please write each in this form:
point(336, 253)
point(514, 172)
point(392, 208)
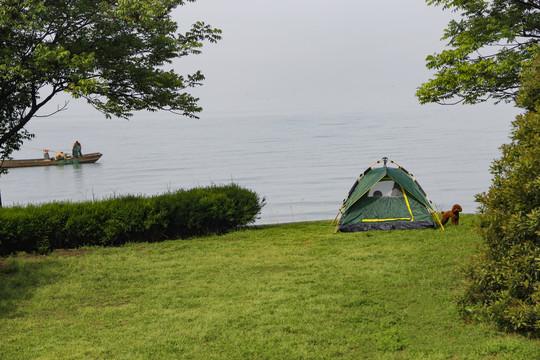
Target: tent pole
point(339, 211)
point(437, 217)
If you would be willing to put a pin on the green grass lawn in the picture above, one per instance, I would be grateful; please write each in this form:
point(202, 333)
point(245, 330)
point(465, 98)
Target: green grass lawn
point(294, 291)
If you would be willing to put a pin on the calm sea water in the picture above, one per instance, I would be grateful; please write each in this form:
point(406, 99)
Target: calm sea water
point(303, 164)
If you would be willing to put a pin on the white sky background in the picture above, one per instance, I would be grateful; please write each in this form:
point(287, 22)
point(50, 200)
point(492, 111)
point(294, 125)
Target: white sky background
point(305, 55)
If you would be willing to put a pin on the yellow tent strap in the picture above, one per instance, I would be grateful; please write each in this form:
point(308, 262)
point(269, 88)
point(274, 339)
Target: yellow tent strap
point(407, 201)
point(431, 210)
point(373, 220)
point(428, 199)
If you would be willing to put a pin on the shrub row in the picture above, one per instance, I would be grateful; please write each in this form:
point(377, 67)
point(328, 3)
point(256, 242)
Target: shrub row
point(115, 221)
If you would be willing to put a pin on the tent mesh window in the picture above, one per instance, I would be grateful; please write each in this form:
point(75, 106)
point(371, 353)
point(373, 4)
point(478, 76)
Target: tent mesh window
point(386, 188)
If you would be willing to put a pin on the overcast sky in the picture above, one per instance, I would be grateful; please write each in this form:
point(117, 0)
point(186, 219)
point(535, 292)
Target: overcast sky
point(303, 55)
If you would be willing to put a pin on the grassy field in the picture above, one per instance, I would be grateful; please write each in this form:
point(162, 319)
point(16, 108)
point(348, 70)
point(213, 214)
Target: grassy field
point(294, 291)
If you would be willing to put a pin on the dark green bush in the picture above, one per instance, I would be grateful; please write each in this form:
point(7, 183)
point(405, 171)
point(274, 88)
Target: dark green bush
point(503, 283)
point(185, 213)
point(207, 210)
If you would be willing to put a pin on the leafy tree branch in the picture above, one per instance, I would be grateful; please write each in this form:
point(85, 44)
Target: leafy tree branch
point(487, 49)
point(112, 53)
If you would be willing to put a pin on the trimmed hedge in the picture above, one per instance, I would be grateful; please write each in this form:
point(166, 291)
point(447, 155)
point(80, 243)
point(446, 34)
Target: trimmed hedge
point(181, 214)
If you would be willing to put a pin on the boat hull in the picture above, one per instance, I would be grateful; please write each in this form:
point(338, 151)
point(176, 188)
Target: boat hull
point(86, 159)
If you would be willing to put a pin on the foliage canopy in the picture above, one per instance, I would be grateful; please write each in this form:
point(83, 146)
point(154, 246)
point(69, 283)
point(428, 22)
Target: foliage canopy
point(504, 283)
point(488, 47)
point(493, 54)
point(113, 53)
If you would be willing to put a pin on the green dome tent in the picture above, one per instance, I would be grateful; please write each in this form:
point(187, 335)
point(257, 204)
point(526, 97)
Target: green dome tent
point(386, 199)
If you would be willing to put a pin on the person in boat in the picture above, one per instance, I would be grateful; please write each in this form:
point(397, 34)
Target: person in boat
point(59, 155)
point(77, 149)
point(46, 154)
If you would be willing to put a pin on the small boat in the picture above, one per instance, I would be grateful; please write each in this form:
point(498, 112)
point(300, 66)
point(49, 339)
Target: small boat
point(84, 159)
